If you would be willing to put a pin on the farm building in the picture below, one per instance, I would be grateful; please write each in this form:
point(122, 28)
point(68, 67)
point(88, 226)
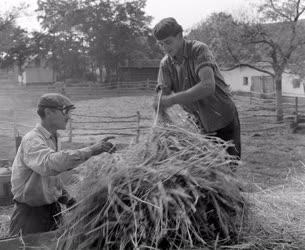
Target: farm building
point(141, 70)
point(240, 78)
point(33, 72)
point(36, 72)
point(246, 79)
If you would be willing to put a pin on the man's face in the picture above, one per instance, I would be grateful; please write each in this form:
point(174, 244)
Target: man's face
point(58, 118)
point(171, 45)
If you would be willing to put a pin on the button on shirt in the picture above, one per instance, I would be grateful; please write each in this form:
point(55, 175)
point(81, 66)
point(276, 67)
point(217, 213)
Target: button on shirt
point(215, 111)
point(35, 170)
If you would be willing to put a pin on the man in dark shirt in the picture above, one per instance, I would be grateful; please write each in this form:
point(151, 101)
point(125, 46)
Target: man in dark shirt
point(189, 76)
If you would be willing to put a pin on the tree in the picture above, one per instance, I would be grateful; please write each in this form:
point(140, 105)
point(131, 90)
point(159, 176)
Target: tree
point(19, 50)
point(111, 31)
point(115, 31)
point(221, 32)
point(276, 39)
point(63, 45)
point(281, 39)
point(7, 27)
point(16, 44)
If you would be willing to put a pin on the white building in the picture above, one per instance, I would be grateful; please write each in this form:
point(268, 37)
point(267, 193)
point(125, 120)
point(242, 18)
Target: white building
point(36, 72)
point(246, 79)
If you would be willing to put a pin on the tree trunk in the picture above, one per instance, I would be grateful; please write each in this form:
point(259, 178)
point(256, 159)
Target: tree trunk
point(279, 101)
point(20, 74)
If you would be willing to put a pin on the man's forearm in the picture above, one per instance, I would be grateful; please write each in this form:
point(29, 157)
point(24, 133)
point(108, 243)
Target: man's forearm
point(204, 88)
point(196, 93)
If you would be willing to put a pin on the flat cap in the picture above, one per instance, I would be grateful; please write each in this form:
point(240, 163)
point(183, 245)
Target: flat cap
point(166, 27)
point(55, 100)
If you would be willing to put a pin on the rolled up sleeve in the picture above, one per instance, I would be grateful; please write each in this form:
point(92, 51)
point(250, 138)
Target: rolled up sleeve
point(203, 57)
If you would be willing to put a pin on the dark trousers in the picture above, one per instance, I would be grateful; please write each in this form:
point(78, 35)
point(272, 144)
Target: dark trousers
point(232, 133)
point(28, 219)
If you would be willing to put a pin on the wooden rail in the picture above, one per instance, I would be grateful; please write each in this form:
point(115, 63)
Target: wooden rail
point(120, 125)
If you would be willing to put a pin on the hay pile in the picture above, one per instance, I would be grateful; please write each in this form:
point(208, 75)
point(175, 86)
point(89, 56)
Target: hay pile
point(173, 190)
point(277, 217)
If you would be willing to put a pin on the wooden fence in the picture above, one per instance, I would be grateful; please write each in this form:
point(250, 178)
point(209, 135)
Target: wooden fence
point(87, 90)
point(90, 125)
point(14, 99)
point(264, 108)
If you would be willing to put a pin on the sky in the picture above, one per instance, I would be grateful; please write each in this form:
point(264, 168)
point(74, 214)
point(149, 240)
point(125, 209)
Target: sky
point(190, 12)
point(187, 12)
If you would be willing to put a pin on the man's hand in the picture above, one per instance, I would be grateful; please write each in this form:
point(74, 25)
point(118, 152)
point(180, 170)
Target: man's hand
point(66, 199)
point(71, 202)
point(103, 146)
point(159, 87)
point(165, 101)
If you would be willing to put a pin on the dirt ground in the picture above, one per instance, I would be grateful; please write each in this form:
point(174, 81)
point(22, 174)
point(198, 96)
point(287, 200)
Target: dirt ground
point(271, 154)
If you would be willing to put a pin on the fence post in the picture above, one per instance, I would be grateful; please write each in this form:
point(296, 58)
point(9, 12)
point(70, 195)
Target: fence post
point(147, 84)
point(250, 97)
point(296, 110)
point(17, 136)
point(70, 130)
point(18, 139)
point(138, 126)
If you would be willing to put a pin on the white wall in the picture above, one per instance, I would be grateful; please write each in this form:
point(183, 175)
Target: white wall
point(22, 78)
point(38, 75)
point(235, 79)
point(288, 89)
point(236, 76)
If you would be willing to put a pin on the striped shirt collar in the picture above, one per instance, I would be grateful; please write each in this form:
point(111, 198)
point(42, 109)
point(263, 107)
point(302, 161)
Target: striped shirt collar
point(43, 131)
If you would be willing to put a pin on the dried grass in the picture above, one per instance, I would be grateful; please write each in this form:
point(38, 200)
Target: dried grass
point(4, 225)
point(173, 190)
point(277, 217)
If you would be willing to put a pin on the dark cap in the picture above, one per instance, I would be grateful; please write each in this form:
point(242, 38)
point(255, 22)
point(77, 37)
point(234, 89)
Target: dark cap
point(166, 27)
point(55, 100)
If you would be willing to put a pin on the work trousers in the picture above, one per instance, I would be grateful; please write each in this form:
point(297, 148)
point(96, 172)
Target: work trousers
point(231, 132)
point(28, 219)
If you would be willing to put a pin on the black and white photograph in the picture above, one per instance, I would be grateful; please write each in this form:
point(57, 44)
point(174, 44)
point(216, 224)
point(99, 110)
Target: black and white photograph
point(152, 124)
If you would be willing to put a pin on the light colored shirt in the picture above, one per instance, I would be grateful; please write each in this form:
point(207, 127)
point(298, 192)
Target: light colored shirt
point(215, 111)
point(36, 167)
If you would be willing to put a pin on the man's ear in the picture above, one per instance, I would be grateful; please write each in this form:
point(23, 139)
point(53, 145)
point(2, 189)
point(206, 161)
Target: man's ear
point(47, 111)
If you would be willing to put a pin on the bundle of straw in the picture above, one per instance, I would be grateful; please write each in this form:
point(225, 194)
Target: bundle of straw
point(173, 190)
point(277, 217)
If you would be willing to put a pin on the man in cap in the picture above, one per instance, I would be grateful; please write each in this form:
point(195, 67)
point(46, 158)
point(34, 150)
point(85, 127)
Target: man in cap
point(189, 76)
point(36, 187)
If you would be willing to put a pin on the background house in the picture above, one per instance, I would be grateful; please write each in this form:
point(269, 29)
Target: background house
point(246, 79)
point(240, 78)
point(33, 72)
point(141, 70)
point(36, 72)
